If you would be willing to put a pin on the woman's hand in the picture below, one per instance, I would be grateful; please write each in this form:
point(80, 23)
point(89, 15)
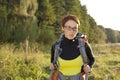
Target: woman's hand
point(86, 68)
point(52, 66)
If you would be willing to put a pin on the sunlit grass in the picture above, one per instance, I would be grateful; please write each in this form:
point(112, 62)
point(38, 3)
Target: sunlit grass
point(19, 65)
point(16, 64)
point(107, 65)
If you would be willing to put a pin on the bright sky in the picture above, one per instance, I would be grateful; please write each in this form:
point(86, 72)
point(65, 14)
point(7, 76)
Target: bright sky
point(105, 12)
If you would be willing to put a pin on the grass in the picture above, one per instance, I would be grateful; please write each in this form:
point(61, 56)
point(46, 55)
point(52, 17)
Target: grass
point(107, 65)
point(16, 64)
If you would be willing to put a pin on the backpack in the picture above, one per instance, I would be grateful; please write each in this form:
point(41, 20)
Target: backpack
point(81, 41)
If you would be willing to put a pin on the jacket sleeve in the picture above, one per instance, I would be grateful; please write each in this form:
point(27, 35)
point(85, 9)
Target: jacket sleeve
point(52, 53)
point(90, 55)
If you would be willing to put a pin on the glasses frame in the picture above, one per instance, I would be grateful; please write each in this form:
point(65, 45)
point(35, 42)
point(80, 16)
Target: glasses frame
point(69, 28)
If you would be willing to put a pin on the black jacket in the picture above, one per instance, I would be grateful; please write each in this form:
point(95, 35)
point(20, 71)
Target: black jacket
point(70, 50)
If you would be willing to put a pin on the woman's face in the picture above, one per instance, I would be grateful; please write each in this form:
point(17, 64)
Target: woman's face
point(70, 29)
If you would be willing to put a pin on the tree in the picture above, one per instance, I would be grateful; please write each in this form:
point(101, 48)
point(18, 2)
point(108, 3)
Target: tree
point(118, 36)
point(103, 35)
point(59, 11)
point(63, 8)
point(72, 7)
point(46, 18)
point(84, 18)
point(45, 14)
point(94, 31)
point(5, 30)
point(27, 31)
point(22, 21)
point(111, 36)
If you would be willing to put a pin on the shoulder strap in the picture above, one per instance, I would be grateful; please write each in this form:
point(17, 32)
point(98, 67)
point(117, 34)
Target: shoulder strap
point(82, 50)
point(81, 41)
point(81, 46)
point(58, 50)
point(54, 74)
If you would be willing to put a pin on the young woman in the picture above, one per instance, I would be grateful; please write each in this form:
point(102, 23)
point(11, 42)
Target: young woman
point(69, 61)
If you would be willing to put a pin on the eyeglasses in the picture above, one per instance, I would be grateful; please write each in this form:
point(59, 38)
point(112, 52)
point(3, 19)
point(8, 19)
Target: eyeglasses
point(70, 28)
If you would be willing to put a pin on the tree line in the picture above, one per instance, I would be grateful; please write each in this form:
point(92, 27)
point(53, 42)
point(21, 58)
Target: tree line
point(39, 21)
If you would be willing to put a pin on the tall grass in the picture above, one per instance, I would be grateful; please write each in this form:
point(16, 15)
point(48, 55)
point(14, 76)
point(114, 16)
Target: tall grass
point(107, 65)
point(16, 64)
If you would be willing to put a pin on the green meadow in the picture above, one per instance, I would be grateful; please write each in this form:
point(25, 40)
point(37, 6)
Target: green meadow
point(18, 64)
point(107, 65)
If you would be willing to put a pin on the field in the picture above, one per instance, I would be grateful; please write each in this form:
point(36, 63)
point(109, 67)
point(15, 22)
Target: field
point(18, 64)
point(107, 65)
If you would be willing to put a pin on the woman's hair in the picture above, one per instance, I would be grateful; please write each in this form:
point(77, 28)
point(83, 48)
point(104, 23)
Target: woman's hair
point(70, 17)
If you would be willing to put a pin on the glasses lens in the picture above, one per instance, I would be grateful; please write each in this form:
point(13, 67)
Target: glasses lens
point(70, 28)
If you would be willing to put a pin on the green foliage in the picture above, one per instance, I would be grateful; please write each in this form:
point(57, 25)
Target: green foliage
point(3, 8)
point(59, 11)
point(118, 36)
point(3, 11)
point(111, 36)
point(102, 36)
point(46, 18)
point(28, 19)
point(84, 19)
point(5, 31)
point(46, 36)
point(45, 14)
point(72, 7)
point(23, 31)
point(17, 26)
point(15, 66)
point(93, 31)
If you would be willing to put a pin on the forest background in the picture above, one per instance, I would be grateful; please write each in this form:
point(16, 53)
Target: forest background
point(28, 28)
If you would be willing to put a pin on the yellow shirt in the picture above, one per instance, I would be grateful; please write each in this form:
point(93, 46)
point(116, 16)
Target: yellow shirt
point(70, 67)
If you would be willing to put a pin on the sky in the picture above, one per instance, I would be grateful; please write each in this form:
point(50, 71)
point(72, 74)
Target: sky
point(104, 12)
